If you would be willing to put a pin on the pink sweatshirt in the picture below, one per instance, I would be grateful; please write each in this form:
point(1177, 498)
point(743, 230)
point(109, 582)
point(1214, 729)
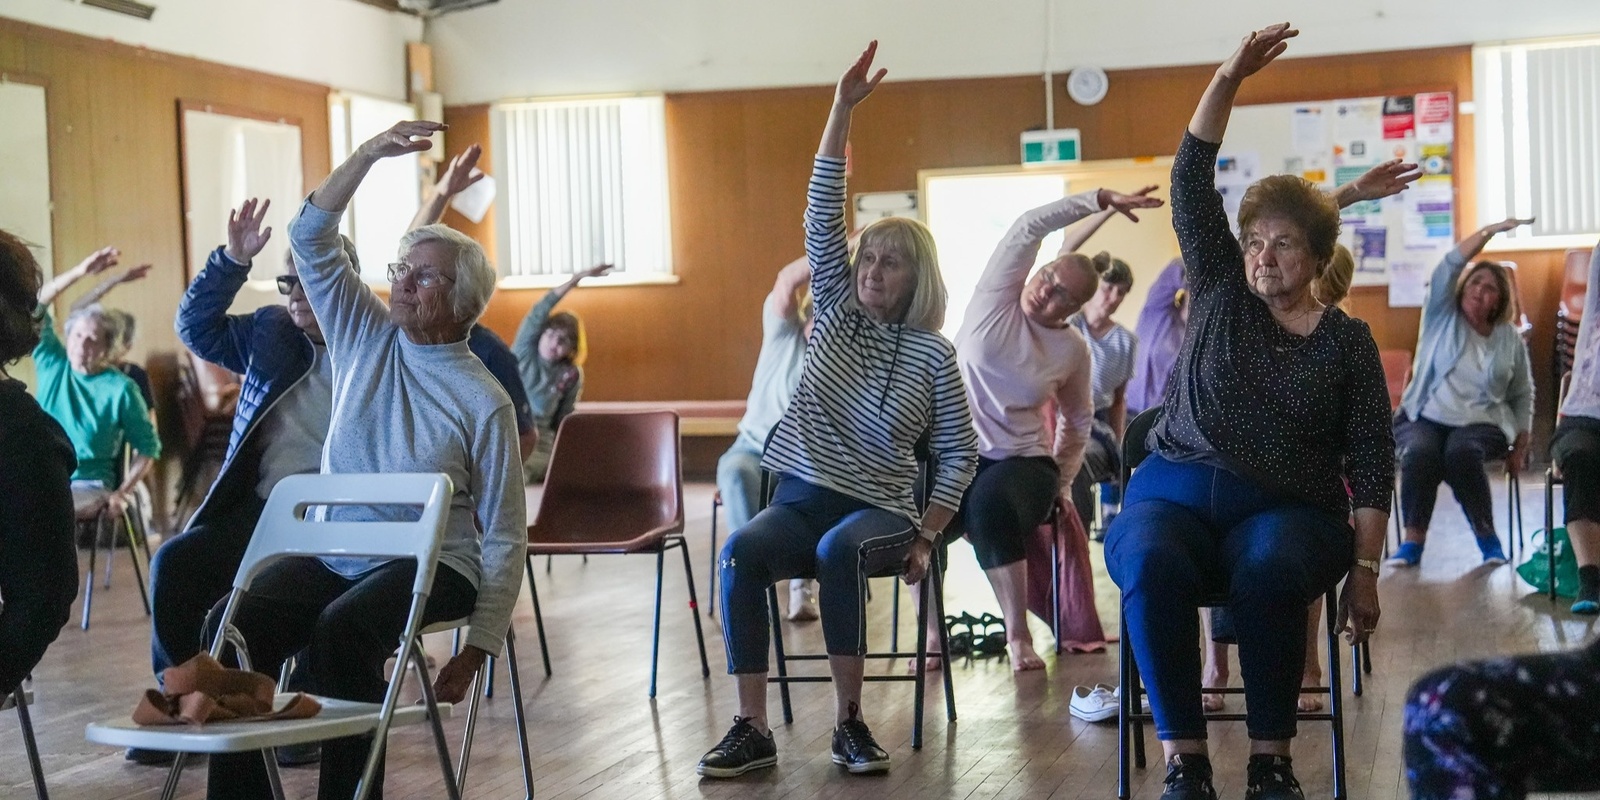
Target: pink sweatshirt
point(1013, 366)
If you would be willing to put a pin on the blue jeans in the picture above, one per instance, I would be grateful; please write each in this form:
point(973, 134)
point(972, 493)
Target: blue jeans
point(1188, 531)
point(739, 481)
point(808, 531)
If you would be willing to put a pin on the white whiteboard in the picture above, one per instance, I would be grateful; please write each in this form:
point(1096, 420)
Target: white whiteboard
point(25, 163)
point(229, 159)
point(969, 211)
point(1331, 143)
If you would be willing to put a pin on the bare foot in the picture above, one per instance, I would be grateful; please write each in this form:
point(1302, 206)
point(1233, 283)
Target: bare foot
point(1310, 702)
point(935, 664)
point(1212, 702)
point(1023, 658)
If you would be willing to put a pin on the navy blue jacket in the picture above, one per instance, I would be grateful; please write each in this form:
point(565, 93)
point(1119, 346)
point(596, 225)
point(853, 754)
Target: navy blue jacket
point(273, 355)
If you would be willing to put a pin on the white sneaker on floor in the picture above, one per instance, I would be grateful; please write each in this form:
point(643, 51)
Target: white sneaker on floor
point(802, 601)
point(1116, 691)
point(1095, 704)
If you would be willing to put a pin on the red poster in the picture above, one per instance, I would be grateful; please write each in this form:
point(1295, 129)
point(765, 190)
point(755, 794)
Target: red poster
point(1433, 109)
point(1399, 117)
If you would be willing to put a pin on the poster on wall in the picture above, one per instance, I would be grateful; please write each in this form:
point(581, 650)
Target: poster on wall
point(1332, 143)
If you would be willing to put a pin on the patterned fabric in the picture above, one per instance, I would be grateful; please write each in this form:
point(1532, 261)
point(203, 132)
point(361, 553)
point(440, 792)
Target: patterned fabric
point(1114, 356)
point(1299, 414)
point(868, 390)
point(1490, 730)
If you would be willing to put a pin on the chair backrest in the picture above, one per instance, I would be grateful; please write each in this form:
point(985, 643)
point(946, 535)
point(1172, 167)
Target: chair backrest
point(611, 455)
point(1396, 373)
point(1134, 438)
point(290, 528)
point(1575, 283)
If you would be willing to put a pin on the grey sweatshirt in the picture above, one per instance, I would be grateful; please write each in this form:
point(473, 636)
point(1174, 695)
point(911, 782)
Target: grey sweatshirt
point(405, 407)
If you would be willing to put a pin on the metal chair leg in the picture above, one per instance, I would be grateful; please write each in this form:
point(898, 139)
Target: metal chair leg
point(782, 661)
point(655, 641)
point(538, 619)
point(488, 678)
point(513, 671)
point(30, 745)
point(711, 585)
point(476, 698)
point(1335, 697)
point(936, 571)
point(88, 578)
point(1055, 589)
point(694, 609)
point(133, 555)
point(894, 617)
point(922, 661)
point(1549, 525)
point(1124, 711)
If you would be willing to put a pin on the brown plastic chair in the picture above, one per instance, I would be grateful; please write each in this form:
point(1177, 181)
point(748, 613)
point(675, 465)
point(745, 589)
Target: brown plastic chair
point(615, 486)
point(1396, 373)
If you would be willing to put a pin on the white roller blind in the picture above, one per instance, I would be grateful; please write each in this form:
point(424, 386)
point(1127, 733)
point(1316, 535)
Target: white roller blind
point(1539, 139)
point(585, 183)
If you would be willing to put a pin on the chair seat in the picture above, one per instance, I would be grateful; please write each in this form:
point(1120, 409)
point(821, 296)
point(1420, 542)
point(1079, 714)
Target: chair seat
point(336, 719)
point(612, 524)
point(10, 701)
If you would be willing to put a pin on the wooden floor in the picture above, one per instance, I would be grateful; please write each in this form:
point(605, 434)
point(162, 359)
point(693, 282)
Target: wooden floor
point(595, 734)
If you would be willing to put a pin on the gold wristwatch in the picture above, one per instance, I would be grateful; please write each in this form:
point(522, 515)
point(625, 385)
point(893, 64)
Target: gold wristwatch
point(1368, 563)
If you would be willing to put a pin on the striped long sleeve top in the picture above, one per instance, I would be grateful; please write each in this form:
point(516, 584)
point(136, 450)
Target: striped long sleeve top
point(868, 391)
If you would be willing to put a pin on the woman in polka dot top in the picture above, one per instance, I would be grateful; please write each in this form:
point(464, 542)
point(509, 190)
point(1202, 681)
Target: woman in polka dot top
point(1275, 403)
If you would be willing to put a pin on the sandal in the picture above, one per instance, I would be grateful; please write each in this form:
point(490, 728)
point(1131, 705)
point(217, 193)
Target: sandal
point(960, 641)
point(992, 641)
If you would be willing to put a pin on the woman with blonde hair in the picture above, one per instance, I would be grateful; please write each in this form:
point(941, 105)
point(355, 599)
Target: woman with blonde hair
point(1470, 400)
point(878, 379)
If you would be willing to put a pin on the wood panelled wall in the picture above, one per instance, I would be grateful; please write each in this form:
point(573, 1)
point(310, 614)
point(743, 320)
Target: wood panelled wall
point(739, 162)
point(114, 152)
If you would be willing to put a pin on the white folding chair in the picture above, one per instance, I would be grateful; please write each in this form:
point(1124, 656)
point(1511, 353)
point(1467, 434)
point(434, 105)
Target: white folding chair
point(477, 693)
point(20, 700)
point(286, 530)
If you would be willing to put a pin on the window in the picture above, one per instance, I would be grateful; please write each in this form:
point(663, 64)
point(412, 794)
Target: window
point(584, 182)
point(1538, 123)
point(388, 199)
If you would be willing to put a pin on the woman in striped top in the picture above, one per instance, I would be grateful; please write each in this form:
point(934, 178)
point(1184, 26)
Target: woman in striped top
point(877, 378)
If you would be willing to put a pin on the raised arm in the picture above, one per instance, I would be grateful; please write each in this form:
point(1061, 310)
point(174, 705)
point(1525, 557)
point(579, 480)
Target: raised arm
point(1013, 258)
point(1387, 179)
point(104, 288)
point(827, 244)
point(203, 322)
point(345, 307)
point(1210, 118)
point(1075, 237)
point(457, 176)
point(526, 343)
point(781, 299)
point(95, 263)
point(1471, 246)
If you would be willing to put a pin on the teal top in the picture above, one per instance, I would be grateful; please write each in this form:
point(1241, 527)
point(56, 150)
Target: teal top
point(100, 412)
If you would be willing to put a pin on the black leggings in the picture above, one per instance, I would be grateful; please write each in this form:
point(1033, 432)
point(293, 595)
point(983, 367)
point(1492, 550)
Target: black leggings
point(1575, 448)
point(1005, 502)
point(1430, 453)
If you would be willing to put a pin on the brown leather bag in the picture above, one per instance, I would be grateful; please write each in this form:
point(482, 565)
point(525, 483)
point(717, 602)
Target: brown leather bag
point(201, 690)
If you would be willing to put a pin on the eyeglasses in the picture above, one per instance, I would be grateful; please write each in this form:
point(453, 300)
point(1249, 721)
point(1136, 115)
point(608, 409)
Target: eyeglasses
point(286, 283)
point(426, 277)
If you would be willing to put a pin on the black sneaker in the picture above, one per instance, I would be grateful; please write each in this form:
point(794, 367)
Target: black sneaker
point(299, 755)
point(1271, 778)
point(1189, 778)
point(742, 750)
point(854, 748)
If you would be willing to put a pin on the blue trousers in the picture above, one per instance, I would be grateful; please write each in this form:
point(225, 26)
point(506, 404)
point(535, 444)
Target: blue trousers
point(1190, 531)
point(807, 531)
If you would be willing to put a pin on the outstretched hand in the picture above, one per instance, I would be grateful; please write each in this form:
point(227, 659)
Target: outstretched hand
point(405, 137)
point(99, 261)
point(597, 270)
point(1506, 225)
point(246, 237)
point(461, 173)
point(1258, 50)
point(1389, 178)
point(854, 85)
point(138, 273)
point(1124, 204)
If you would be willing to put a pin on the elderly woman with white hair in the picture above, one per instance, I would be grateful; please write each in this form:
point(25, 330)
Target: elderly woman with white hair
point(101, 409)
point(877, 378)
point(409, 396)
